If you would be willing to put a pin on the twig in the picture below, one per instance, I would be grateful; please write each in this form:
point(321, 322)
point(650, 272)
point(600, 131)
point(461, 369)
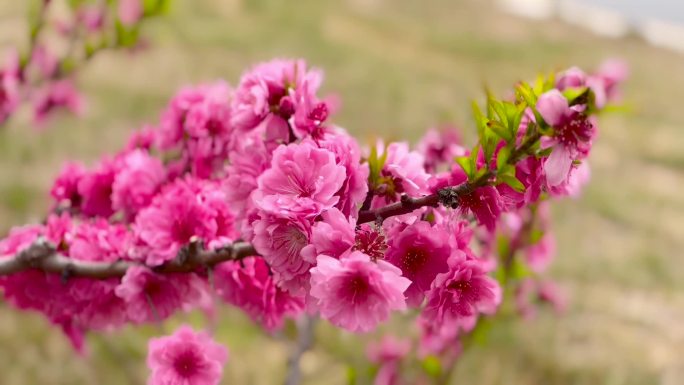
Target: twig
point(305, 338)
point(42, 255)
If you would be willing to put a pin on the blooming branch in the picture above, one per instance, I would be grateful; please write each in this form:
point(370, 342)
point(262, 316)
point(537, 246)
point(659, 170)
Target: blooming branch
point(42, 255)
point(251, 196)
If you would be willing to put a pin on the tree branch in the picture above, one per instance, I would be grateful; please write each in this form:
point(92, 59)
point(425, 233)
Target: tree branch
point(43, 256)
point(305, 338)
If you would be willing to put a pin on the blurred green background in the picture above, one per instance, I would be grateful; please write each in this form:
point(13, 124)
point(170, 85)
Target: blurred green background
point(399, 67)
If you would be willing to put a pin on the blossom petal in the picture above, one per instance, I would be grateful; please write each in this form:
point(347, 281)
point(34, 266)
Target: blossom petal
point(552, 106)
point(557, 166)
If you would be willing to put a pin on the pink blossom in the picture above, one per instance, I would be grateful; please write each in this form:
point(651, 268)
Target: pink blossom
point(571, 78)
point(610, 74)
point(171, 129)
point(215, 199)
point(309, 113)
point(95, 190)
point(303, 180)
point(143, 139)
point(136, 182)
point(370, 240)
point(421, 252)
point(540, 254)
point(280, 241)
point(26, 289)
point(91, 16)
point(442, 339)
point(59, 229)
point(98, 241)
point(390, 348)
point(388, 353)
point(207, 122)
point(175, 216)
point(573, 134)
point(550, 293)
point(130, 11)
point(151, 297)
point(578, 178)
point(440, 147)
point(522, 297)
point(269, 89)
point(18, 239)
point(348, 154)
point(65, 187)
point(186, 357)
point(530, 293)
point(249, 159)
point(355, 293)
point(403, 172)
point(60, 94)
point(530, 173)
point(44, 60)
point(462, 292)
point(249, 285)
point(333, 236)
point(485, 203)
point(9, 86)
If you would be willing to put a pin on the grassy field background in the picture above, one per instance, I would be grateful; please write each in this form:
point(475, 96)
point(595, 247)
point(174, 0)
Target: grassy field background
point(399, 67)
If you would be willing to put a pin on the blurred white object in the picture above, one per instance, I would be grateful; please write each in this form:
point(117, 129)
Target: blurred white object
point(600, 20)
point(663, 34)
point(536, 9)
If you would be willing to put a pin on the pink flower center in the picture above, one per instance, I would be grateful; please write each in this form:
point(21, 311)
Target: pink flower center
point(319, 114)
point(182, 230)
point(575, 132)
point(468, 201)
point(357, 289)
point(3, 95)
point(370, 242)
point(291, 240)
point(465, 291)
point(215, 127)
point(390, 186)
point(413, 261)
point(186, 364)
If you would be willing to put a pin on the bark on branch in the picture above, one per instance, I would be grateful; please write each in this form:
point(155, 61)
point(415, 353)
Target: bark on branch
point(42, 255)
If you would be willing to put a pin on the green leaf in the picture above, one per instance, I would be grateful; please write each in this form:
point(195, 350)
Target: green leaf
point(466, 165)
point(375, 164)
point(125, 36)
point(573, 93)
point(500, 130)
point(155, 7)
point(351, 375)
point(480, 334)
point(432, 366)
point(535, 236)
point(512, 181)
point(480, 120)
point(544, 83)
point(515, 115)
point(502, 157)
point(519, 270)
point(526, 94)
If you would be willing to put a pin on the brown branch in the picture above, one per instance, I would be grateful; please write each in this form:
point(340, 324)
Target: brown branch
point(43, 256)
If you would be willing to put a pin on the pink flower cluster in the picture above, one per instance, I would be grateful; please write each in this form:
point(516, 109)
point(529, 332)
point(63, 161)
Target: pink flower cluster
point(44, 78)
point(262, 163)
point(185, 357)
